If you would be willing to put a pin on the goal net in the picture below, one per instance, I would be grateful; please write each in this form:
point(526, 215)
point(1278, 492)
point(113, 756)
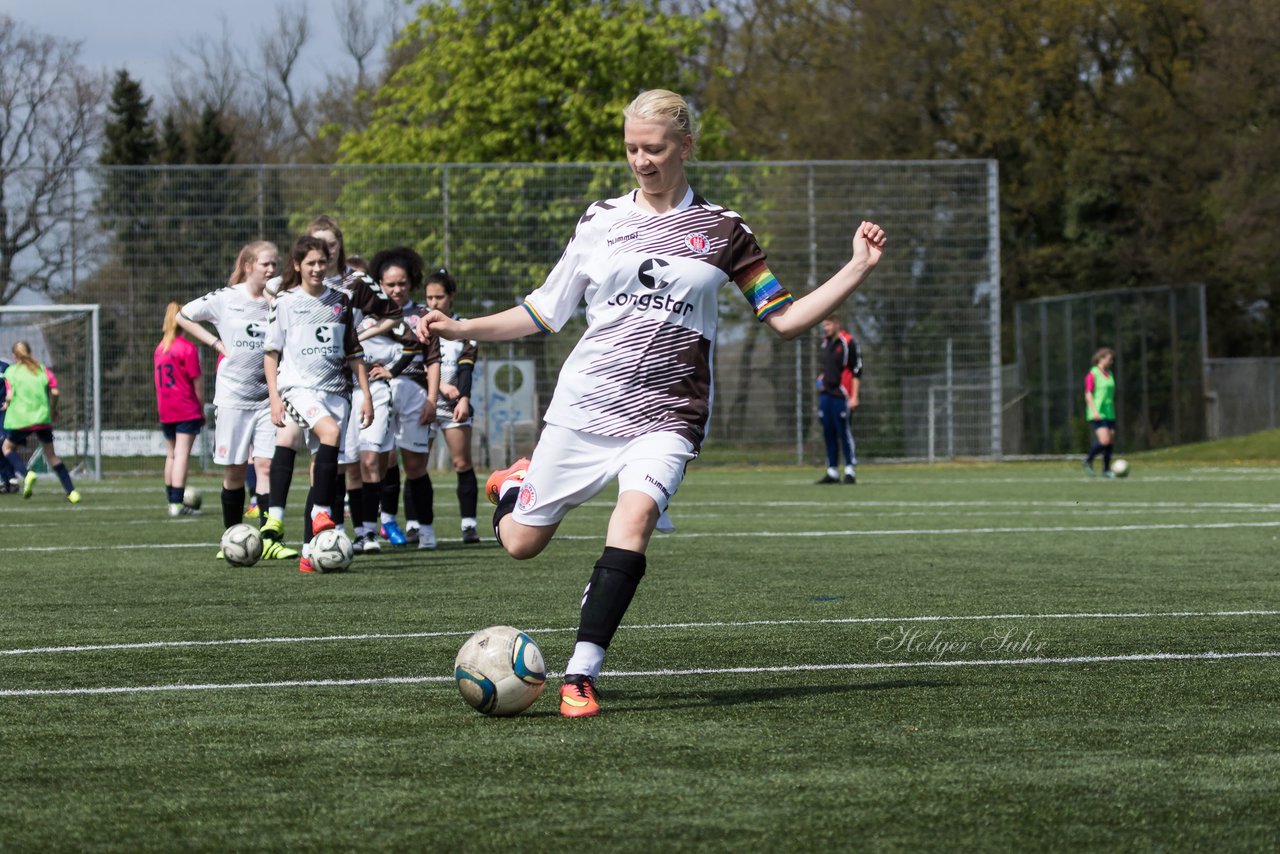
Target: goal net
point(65, 338)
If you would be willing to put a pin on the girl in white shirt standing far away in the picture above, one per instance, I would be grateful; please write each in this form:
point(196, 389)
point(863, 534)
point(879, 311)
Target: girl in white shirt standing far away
point(633, 399)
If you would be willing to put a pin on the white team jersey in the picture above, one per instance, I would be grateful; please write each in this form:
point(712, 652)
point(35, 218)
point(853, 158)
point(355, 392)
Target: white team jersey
point(455, 354)
point(241, 322)
point(314, 337)
point(650, 282)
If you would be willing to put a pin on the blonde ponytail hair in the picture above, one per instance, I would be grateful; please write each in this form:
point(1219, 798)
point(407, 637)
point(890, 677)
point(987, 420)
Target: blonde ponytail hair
point(170, 325)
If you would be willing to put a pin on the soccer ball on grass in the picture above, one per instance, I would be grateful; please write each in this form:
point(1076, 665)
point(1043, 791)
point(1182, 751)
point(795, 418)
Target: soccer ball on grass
point(500, 671)
point(331, 550)
point(1120, 468)
point(192, 497)
point(241, 545)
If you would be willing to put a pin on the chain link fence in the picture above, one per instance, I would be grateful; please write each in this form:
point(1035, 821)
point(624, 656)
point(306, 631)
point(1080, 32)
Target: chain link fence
point(1160, 339)
point(927, 321)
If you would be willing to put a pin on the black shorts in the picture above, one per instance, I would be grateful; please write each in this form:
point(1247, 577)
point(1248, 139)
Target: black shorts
point(171, 429)
point(43, 434)
point(1109, 423)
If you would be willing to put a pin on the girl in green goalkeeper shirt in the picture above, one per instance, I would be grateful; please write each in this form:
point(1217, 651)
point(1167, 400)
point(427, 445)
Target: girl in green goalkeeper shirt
point(31, 407)
point(1100, 406)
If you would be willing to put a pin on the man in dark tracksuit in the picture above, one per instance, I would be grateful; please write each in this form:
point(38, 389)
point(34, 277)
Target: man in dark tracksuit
point(839, 381)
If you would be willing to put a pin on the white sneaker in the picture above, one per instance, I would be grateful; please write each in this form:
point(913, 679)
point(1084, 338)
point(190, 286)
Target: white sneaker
point(426, 537)
point(175, 510)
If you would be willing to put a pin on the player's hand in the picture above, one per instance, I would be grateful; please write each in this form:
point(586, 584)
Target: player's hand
point(366, 412)
point(379, 372)
point(853, 403)
point(428, 415)
point(277, 412)
point(462, 410)
point(868, 243)
point(436, 323)
point(450, 391)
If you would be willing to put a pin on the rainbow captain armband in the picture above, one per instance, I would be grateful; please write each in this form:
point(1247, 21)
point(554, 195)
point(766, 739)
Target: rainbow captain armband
point(762, 290)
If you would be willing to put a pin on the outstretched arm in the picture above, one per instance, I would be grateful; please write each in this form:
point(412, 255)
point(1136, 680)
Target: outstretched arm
point(809, 310)
point(506, 325)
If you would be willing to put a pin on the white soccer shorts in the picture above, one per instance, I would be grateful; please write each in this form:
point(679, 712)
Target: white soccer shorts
point(375, 437)
point(309, 407)
point(408, 399)
point(239, 432)
point(569, 468)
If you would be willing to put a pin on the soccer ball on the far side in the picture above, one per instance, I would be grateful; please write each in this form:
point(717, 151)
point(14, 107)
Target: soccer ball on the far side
point(192, 497)
point(1120, 468)
point(241, 545)
point(500, 671)
point(331, 550)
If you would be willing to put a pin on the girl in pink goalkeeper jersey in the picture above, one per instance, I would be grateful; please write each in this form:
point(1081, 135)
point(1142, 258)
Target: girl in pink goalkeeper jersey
point(633, 399)
point(180, 399)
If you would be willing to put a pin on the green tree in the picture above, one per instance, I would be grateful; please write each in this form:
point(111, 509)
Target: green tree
point(524, 81)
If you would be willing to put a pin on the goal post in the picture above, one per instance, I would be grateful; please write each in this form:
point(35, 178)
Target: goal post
point(66, 339)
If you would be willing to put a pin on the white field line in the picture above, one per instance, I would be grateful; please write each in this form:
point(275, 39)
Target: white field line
point(790, 668)
point(834, 621)
point(880, 532)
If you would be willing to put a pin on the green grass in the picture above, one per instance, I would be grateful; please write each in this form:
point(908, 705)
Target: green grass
point(765, 693)
point(1256, 447)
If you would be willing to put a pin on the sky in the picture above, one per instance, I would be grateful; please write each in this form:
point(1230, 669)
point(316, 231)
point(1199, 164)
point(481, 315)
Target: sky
point(142, 35)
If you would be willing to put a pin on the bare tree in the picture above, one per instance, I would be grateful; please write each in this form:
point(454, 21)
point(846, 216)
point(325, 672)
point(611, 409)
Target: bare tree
point(50, 121)
point(280, 51)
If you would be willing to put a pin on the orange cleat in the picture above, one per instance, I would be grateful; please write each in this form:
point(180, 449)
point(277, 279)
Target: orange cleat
point(516, 471)
point(578, 697)
point(322, 521)
point(305, 565)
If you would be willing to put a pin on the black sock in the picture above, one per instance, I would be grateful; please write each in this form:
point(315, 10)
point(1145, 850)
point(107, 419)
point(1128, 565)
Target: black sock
point(506, 506)
point(372, 504)
point(264, 501)
point(609, 592)
point(326, 477)
point(467, 493)
point(307, 533)
point(423, 494)
point(1093, 452)
point(281, 476)
point(174, 494)
point(64, 477)
point(410, 507)
point(1106, 457)
point(339, 511)
point(391, 490)
point(232, 506)
point(358, 507)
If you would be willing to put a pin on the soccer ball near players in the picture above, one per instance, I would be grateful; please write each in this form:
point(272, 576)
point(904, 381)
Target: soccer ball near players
point(192, 497)
point(1120, 468)
point(500, 671)
point(331, 550)
point(241, 545)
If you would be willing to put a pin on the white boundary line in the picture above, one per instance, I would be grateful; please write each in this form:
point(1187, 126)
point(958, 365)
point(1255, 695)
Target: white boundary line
point(879, 532)
point(834, 621)
point(804, 668)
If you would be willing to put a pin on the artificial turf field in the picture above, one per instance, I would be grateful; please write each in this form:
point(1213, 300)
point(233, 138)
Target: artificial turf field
point(987, 657)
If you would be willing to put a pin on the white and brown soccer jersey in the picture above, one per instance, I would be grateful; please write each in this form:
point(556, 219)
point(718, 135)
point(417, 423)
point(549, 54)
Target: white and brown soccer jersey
point(241, 322)
point(457, 359)
point(650, 283)
point(314, 337)
point(367, 296)
point(398, 349)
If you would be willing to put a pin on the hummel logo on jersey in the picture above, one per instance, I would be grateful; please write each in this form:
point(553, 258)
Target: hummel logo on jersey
point(652, 273)
point(623, 238)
